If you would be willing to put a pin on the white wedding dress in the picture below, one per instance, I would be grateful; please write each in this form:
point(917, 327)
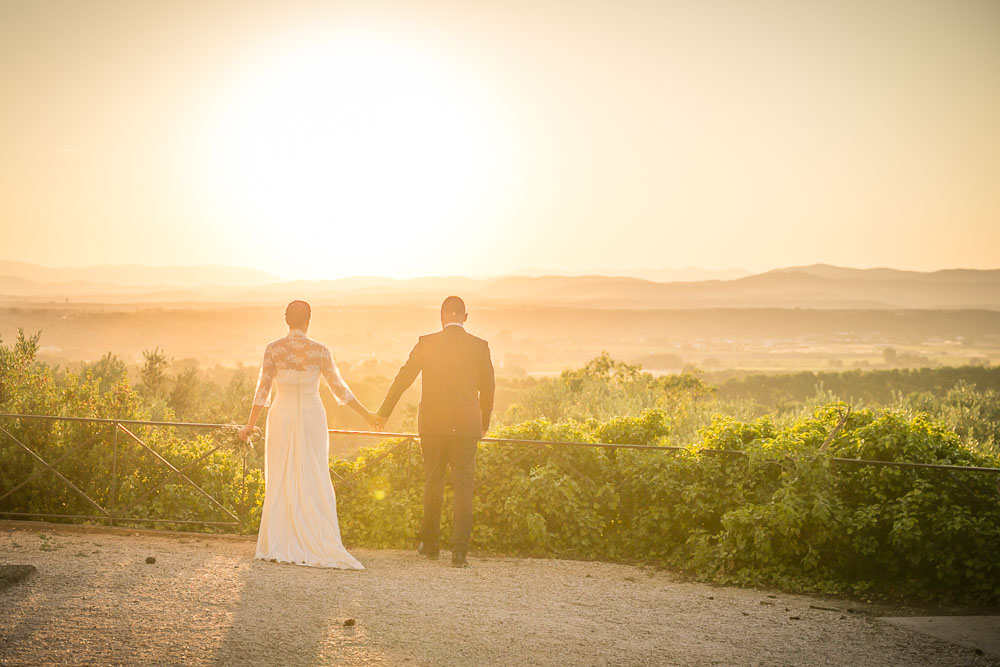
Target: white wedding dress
point(299, 520)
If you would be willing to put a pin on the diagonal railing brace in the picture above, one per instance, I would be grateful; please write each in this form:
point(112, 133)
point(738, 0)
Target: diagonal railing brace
point(151, 491)
point(178, 472)
point(58, 474)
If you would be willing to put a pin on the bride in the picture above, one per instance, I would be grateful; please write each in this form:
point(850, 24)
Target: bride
point(299, 520)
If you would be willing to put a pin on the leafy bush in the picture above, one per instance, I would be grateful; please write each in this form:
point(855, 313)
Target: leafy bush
point(604, 389)
point(750, 504)
point(85, 452)
point(974, 414)
point(748, 501)
point(872, 387)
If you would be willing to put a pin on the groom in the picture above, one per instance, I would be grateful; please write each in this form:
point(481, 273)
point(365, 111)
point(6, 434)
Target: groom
point(455, 407)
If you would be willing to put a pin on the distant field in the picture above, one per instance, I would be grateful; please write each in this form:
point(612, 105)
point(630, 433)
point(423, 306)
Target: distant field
point(531, 340)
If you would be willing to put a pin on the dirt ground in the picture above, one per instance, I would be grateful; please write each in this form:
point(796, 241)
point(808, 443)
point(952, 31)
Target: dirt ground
point(95, 600)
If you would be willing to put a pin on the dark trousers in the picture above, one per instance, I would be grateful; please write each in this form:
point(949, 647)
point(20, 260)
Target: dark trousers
point(439, 452)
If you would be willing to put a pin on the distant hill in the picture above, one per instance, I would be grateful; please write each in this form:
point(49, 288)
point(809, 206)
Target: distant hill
point(685, 274)
point(957, 276)
point(818, 286)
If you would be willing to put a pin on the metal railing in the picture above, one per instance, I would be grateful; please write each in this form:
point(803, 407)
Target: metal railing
point(678, 448)
point(112, 513)
point(236, 517)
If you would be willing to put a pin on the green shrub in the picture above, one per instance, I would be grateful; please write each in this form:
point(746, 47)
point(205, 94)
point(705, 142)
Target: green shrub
point(783, 513)
point(84, 452)
point(747, 501)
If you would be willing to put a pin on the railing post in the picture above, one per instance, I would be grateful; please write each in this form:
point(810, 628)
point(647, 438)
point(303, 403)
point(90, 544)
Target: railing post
point(114, 477)
point(409, 452)
point(243, 494)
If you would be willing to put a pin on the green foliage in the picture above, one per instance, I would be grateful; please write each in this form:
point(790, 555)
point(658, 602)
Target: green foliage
point(751, 503)
point(781, 392)
point(153, 373)
point(385, 481)
point(972, 413)
point(110, 370)
point(605, 388)
point(733, 499)
point(89, 454)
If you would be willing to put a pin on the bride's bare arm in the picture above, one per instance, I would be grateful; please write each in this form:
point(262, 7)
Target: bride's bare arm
point(373, 419)
point(343, 393)
point(264, 380)
point(251, 423)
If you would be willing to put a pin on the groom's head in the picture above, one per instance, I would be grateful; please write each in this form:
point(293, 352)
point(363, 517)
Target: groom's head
point(453, 310)
point(297, 315)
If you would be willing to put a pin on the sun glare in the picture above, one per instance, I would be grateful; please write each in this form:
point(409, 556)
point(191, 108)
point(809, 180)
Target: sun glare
point(355, 143)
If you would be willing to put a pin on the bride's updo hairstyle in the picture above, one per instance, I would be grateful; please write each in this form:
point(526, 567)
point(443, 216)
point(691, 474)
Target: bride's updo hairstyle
point(297, 314)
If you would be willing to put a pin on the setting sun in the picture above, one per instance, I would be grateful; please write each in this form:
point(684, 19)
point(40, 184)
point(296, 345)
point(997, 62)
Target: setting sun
point(354, 141)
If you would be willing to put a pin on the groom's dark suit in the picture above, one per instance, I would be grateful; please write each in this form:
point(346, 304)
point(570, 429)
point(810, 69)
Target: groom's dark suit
point(455, 407)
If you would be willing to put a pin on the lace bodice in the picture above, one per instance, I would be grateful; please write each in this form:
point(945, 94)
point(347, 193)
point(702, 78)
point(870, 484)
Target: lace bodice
point(298, 352)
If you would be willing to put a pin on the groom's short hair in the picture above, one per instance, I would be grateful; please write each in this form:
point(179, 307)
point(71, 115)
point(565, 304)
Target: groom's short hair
point(297, 314)
point(453, 306)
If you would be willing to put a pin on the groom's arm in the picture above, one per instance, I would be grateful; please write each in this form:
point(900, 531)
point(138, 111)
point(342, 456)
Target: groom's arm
point(404, 378)
point(487, 388)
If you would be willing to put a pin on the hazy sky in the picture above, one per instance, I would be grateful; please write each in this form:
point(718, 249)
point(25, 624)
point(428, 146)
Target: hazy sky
point(320, 139)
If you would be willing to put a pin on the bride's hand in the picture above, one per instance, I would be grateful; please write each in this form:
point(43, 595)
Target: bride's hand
point(245, 433)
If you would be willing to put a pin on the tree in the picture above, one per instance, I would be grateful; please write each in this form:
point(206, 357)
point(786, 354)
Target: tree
point(153, 373)
point(109, 369)
point(184, 395)
point(14, 360)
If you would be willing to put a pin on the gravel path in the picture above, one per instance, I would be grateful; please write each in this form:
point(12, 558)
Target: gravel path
point(95, 600)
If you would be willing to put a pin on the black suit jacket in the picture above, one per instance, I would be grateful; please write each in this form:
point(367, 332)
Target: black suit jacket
point(457, 386)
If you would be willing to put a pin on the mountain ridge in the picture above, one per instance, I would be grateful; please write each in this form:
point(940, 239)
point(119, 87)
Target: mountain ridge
point(815, 286)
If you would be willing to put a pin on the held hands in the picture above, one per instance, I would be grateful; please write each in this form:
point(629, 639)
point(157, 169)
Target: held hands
point(375, 421)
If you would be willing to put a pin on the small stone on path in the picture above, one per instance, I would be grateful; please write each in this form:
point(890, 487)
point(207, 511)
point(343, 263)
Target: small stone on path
point(150, 560)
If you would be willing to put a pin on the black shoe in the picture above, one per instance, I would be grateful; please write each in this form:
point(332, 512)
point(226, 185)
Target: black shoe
point(458, 559)
point(431, 554)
